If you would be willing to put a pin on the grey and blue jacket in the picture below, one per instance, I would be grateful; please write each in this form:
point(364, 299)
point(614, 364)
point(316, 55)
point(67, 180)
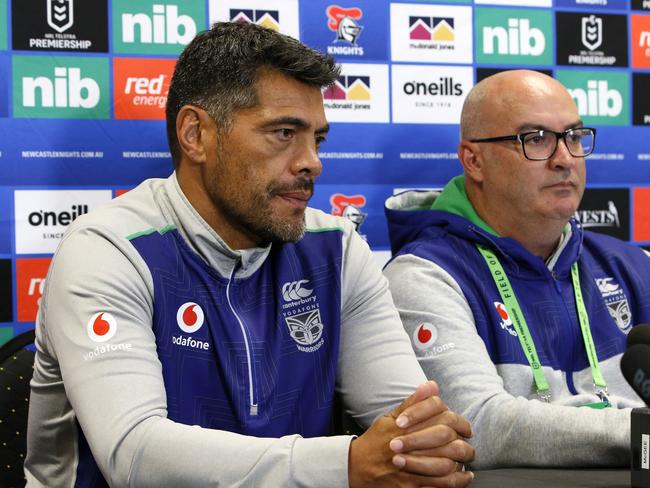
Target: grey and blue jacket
point(167, 359)
point(464, 337)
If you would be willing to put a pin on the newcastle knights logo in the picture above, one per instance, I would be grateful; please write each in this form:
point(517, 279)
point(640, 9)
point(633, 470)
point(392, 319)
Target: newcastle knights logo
point(60, 14)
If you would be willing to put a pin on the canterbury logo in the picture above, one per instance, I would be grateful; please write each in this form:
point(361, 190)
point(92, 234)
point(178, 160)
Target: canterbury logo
point(294, 290)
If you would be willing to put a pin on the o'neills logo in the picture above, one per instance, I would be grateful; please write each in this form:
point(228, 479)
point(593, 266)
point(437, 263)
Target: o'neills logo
point(42, 217)
point(445, 87)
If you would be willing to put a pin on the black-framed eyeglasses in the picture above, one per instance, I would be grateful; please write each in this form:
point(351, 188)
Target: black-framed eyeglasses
point(541, 144)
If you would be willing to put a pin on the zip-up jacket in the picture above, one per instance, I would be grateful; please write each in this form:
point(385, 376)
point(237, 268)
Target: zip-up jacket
point(464, 337)
point(167, 359)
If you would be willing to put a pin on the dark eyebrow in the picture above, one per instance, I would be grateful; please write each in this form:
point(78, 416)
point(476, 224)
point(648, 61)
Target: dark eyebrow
point(532, 127)
point(297, 122)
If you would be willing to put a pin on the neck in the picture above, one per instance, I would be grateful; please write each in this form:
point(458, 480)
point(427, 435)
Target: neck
point(537, 235)
point(196, 193)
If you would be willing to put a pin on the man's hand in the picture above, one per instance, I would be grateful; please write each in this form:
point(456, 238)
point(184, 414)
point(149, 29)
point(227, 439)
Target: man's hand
point(420, 443)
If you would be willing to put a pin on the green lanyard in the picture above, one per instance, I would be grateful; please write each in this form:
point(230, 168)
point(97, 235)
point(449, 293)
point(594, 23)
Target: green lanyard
point(525, 338)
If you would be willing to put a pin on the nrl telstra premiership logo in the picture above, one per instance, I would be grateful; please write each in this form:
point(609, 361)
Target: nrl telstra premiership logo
point(592, 32)
point(60, 14)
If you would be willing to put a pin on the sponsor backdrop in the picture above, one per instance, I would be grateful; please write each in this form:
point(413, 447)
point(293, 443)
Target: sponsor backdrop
point(83, 87)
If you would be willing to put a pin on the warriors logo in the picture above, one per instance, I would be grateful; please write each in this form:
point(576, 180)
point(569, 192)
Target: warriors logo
point(616, 301)
point(305, 328)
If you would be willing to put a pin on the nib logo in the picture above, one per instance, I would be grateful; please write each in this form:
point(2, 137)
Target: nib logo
point(155, 26)
point(598, 99)
point(513, 33)
point(67, 89)
point(164, 26)
point(76, 90)
point(601, 97)
point(518, 38)
point(190, 317)
point(101, 327)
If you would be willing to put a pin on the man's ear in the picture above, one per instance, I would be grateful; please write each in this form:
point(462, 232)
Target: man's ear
point(192, 129)
point(471, 159)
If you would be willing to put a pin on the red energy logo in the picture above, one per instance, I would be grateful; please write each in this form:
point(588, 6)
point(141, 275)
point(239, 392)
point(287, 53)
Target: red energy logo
point(140, 87)
point(30, 280)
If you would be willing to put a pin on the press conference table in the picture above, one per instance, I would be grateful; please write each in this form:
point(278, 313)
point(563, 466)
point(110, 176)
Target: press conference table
point(552, 478)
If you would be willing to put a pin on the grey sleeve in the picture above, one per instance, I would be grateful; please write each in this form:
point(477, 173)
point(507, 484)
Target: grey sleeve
point(118, 397)
point(508, 430)
point(377, 367)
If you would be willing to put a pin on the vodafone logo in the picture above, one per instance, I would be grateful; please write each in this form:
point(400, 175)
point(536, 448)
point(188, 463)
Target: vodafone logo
point(190, 317)
point(424, 336)
point(506, 322)
point(101, 327)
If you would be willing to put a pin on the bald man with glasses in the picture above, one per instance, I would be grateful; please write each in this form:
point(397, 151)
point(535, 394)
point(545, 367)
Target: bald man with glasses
point(513, 307)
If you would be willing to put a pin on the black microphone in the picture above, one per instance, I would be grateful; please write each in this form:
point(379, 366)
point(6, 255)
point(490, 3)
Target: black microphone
point(635, 366)
point(640, 334)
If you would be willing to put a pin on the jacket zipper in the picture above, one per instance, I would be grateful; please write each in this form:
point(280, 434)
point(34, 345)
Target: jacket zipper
point(252, 405)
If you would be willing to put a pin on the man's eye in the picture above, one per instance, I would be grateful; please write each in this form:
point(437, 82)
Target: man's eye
point(285, 134)
point(538, 138)
point(320, 140)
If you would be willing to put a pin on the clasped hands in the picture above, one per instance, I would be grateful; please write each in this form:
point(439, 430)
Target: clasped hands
point(419, 444)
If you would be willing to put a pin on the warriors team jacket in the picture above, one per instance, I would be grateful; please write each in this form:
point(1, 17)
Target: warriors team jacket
point(167, 359)
point(464, 338)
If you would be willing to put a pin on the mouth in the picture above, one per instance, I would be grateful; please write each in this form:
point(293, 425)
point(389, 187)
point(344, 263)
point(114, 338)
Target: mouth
point(564, 185)
point(297, 199)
